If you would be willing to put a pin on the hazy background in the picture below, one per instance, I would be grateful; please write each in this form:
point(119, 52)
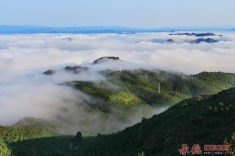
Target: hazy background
point(41, 52)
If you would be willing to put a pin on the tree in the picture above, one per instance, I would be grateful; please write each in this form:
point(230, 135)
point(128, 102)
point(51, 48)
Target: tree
point(78, 136)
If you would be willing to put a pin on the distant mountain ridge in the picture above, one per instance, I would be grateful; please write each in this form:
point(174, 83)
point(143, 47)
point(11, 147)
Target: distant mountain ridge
point(74, 30)
point(5, 29)
point(197, 34)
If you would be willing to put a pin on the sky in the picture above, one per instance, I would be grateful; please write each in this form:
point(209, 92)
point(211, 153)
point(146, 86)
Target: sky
point(131, 13)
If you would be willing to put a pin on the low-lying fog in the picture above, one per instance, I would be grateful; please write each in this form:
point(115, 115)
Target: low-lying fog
point(26, 92)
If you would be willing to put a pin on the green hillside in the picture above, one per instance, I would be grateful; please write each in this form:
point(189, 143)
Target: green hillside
point(203, 119)
point(144, 86)
point(200, 120)
point(26, 129)
point(130, 90)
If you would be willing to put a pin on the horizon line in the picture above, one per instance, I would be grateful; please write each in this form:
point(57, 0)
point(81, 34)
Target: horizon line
point(119, 26)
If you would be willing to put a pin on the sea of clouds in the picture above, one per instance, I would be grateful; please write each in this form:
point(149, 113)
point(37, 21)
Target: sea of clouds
point(26, 92)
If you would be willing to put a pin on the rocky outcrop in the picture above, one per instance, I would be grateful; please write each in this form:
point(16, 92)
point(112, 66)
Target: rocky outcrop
point(76, 69)
point(105, 59)
point(49, 72)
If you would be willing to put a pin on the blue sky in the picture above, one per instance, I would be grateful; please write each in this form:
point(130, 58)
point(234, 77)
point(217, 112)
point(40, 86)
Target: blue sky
point(128, 13)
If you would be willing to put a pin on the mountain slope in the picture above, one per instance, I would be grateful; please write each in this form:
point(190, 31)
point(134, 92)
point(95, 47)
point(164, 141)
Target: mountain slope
point(144, 85)
point(201, 120)
point(26, 129)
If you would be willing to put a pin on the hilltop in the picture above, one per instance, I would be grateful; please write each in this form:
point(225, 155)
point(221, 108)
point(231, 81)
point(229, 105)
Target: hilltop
point(105, 59)
point(207, 40)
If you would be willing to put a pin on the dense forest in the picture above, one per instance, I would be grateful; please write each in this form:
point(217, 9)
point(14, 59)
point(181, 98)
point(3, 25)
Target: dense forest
point(202, 120)
point(142, 86)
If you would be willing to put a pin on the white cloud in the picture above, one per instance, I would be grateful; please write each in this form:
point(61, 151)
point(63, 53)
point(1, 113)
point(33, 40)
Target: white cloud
point(22, 52)
point(25, 91)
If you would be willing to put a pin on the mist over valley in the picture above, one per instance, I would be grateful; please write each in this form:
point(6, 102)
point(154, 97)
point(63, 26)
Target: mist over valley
point(97, 84)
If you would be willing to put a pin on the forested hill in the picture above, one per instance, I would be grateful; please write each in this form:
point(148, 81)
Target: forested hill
point(123, 98)
point(203, 120)
point(145, 86)
point(155, 87)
